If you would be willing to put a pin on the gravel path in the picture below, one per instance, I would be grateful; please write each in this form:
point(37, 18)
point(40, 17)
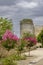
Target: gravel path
point(39, 63)
point(25, 62)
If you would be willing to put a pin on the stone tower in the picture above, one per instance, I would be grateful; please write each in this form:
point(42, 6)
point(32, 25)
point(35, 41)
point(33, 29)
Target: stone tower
point(26, 25)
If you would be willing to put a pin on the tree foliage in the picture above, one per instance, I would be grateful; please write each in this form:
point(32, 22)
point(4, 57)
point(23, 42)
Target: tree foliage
point(40, 37)
point(26, 35)
point(9, 40)
point(5, 24)
point(30, 40)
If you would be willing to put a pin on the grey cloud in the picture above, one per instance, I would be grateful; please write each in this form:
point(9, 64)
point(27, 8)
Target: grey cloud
point(7, 2)
point(19, 13)
point(9, 8)
point(38, 20)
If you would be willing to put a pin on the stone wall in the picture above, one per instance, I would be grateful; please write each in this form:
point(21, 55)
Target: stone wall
point(38, 29)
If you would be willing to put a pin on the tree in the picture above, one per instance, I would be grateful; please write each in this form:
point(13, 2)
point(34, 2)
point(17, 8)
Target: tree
point(21, 46)
point(4, 25)
point(40, 37)
point(30, 40)
point(9, 40)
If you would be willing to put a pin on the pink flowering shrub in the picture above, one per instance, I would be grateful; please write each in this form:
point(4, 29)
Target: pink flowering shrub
point(9, 39)
point(8, 34)
point(31, 41)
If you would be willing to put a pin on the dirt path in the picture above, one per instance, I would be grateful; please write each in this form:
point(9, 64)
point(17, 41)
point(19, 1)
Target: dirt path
point(37, 53)
point(39, 63)
point(25, 62)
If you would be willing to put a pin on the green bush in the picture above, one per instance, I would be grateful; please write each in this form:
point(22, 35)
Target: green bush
point(8, 44)
point(11, 60)
point(40, 37)
point(8, 61)
point(21, 46)
point(17, 57)
point(26, 35)
point(0, 37)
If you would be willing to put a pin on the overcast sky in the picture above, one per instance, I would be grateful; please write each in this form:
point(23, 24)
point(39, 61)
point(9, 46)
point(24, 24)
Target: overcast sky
point(20, 9)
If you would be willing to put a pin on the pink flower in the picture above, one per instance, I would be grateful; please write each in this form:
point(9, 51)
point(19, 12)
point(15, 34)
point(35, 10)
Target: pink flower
point(31, 39)
point(14, 37)
point(9, 35)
